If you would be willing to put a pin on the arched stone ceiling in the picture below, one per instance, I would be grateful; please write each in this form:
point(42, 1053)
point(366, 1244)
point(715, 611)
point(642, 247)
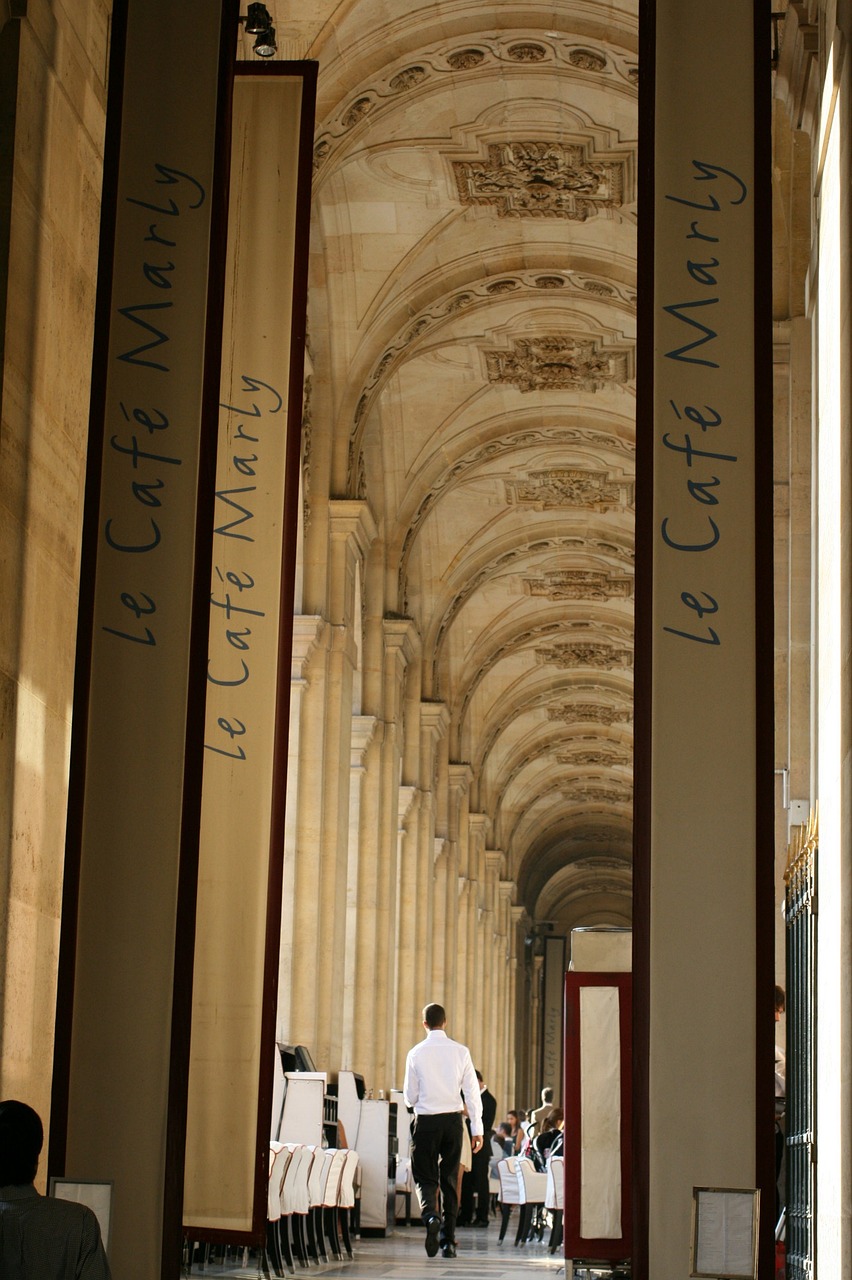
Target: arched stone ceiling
point(472, 320)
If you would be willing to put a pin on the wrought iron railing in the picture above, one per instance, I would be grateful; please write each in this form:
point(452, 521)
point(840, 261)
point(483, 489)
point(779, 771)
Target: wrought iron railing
point(801, 916)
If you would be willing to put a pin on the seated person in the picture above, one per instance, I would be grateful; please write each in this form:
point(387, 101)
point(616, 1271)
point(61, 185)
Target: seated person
point(40, 1238)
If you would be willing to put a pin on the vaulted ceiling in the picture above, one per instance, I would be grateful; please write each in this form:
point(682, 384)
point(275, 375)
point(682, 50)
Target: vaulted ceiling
point(472, 311)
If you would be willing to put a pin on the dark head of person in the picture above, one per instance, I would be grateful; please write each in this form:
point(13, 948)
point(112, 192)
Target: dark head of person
point(21, 1141)
point(434, 1016)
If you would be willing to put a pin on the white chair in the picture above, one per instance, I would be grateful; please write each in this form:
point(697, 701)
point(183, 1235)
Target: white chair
point(509, 1193)
point(404, 1187)
point(294, 1199)
point(554, 1199)
point(346, 1198)
point(279, 1159)
point(331, 1192)
point(316, 1193)
point(532, 1187)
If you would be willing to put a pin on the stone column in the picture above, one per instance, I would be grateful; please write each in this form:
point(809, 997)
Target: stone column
point(434, 720)
point(407, 1028)
point(400, 646)
point(478, 824)
point(370, 996)
point(307, 633)
point(492, 962)
point(363, 730)
point(458, 890)
point(351, 530)
point(514, 1032)
point(505, 1030)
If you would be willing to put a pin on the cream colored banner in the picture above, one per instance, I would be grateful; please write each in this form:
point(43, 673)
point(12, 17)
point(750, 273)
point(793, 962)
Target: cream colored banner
point(600, 1112)
point(148, 377)
point(245, 599)
point(702, 910)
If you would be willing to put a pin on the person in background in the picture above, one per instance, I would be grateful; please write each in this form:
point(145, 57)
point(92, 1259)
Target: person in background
point(40, 1238)
point(475, 1184)
point(438, 1072)
point(780, 1108)
point(537, 1117)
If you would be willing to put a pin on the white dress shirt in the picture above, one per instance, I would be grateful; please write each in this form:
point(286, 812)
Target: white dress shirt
point(438, 1071)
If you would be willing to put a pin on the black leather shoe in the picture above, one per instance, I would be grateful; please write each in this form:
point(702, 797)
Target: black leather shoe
point(448, 1251)
point(481, 1222)
point(433, 1228)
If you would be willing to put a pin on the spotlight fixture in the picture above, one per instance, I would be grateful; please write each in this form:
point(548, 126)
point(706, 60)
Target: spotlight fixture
point(258, 21)
point(264, 45)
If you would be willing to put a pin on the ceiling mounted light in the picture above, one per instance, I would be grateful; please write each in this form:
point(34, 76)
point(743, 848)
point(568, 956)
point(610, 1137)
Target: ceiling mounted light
point(264, 45)
point(258, 21)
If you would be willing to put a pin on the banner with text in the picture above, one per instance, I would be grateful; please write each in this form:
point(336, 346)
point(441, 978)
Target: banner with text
point(117, 966)
point(704, 690)
point(254, 532)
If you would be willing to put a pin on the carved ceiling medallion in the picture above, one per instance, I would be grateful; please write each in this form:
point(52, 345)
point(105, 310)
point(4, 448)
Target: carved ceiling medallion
point(557, 363)
point(540, 180)
point(581, 584)
point(569, 487)
point(601, 656)
point(583, 712)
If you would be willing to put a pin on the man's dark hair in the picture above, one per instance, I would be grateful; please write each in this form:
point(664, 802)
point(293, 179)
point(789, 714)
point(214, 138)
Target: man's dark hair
point(780, 999)
point(21, 1139)
point(547, 1094)
point(478, 1076)
point(434, 1016)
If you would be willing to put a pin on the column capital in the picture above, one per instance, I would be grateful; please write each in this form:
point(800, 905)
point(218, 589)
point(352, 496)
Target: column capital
point(308, 632)
point(507, 890)
point(435, 717)
point(401, 637)
point(479, 824)
point(363, 732)
point(407, 800)
point(351, 519)
point(494, 862)
point(461, 776)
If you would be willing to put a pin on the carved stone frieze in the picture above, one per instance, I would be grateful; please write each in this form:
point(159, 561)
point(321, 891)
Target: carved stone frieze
point(526, 52)
point(598, 795)
point(587, 59)
point(581, 584)
point(569, 487)
point(408, 78)
point(465, 59)
point(540, 179)
point(596, 712)
point(603, 657)
point(600, 759)
point(557, 362)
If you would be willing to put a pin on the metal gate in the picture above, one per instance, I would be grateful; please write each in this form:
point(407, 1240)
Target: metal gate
point(800, 910)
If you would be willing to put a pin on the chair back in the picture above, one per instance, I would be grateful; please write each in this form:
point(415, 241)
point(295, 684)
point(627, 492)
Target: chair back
point(279, 1158)
point(532, 1185)
point(508, 1175)
point(346, 1193)
point(555, 1183)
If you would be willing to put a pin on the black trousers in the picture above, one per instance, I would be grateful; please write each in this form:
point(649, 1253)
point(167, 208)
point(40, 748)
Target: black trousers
point(475, 1183)
point(436, 1144)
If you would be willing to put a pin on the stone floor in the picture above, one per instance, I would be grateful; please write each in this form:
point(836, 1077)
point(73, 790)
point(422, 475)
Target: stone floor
point(401, 1256)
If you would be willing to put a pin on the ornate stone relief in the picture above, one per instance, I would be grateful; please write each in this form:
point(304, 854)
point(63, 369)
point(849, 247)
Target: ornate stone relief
point(530, 282)
point(603, 657)
point(569, 487)
point(598, 795)
point(484, 58)
point(598, 759)
point(598, 713)
point(540, 180)
point(581, 584)
point(503, 561)
point(557, 362)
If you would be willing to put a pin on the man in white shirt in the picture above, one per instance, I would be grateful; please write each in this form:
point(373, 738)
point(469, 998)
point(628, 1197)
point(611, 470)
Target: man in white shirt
point(438, 1071)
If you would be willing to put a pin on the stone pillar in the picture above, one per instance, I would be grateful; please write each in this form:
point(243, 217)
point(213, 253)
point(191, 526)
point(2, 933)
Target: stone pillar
point(407, 1023)
point(504, 1026)
point(478, 825)
point(457, 931)
point(434, 720)
point(307, 632)
point(399, 644)
point(514, 1032)
point(492, 963)
point(370, 995)
point(363, 730)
